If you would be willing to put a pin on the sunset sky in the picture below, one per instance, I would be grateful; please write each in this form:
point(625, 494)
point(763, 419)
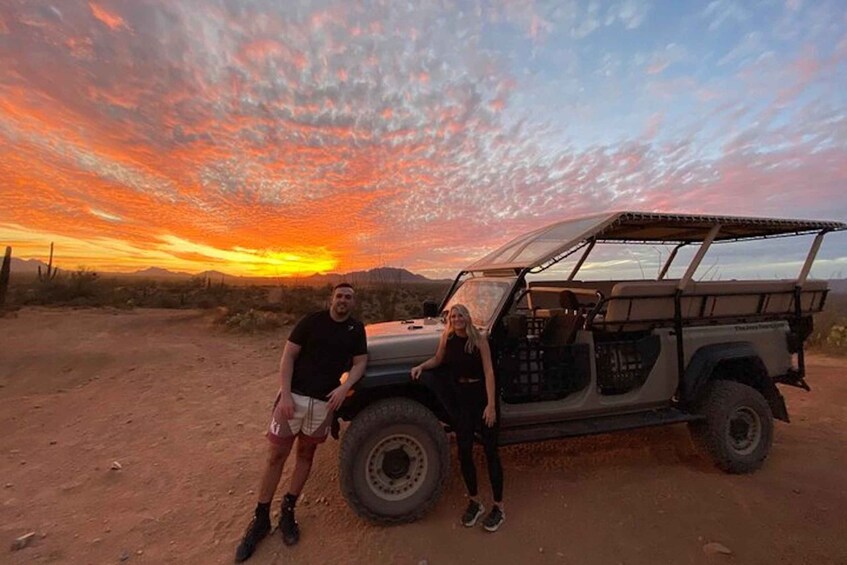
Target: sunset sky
point(279, 137)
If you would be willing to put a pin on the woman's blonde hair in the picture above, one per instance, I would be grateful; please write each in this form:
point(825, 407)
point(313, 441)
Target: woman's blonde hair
point(474, 337)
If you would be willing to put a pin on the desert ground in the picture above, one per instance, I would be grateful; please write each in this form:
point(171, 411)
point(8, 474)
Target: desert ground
point(181, 406)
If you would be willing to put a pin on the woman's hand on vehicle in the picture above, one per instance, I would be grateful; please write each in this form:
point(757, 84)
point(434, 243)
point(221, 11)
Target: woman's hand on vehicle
point(416, 372)
point(490, 415)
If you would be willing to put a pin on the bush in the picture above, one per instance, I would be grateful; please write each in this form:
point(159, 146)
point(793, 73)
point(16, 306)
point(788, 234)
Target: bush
point(79, 288)
point(251, 321)
point(830, 333)
point(376, 302)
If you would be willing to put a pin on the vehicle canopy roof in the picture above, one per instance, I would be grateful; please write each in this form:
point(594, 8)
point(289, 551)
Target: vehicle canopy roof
point(552, 242)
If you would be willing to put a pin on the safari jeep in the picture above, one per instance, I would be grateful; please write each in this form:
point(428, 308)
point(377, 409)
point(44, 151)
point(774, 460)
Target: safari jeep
point(575, 356)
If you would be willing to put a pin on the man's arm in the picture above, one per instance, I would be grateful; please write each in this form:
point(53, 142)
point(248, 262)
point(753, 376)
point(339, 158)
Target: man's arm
point(337, 396)
point(286, 370)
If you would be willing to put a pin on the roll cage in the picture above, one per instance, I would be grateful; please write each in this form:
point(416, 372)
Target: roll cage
point(692, 303)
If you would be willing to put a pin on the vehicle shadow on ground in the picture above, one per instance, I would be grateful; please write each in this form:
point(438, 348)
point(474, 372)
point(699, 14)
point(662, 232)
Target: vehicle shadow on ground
point(580, 456)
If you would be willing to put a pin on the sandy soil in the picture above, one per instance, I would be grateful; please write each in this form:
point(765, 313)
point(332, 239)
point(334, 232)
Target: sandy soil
point(182, 407)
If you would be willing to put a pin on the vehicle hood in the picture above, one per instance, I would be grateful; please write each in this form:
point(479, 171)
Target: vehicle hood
point(402, 342)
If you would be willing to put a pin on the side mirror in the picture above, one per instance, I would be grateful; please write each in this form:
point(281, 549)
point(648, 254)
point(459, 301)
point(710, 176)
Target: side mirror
point(430, 309)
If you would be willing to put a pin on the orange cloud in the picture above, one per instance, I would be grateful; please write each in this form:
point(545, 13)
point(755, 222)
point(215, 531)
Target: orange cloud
point(113, 21)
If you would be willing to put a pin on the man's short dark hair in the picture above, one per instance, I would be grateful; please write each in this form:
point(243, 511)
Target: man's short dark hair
point(343, 285)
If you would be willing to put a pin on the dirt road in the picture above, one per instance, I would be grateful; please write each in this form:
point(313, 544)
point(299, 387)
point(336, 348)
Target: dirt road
point(182, 408)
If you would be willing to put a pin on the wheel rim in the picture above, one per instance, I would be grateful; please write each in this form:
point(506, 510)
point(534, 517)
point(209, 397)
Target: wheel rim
point(744, 431)
point(396, 467)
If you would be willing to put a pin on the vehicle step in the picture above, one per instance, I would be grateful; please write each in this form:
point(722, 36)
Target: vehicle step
point(597, 425)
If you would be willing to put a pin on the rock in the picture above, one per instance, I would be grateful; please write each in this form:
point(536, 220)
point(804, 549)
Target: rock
point(540, 550)
point(230, 491)
point(423, 562)
point(23, 541)
point(53, 442)
point(96, 540)
point(116, 466)
point(714, 548)
point(796, 491)
point(140, 552)
point(9, 485)
point(43, 535)
point(124, 555)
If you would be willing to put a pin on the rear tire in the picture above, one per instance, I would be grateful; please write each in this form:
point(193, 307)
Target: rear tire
point(394, 461)
point(738, 430)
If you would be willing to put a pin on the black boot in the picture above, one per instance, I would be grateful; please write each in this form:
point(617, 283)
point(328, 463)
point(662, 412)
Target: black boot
point(287, 524)
point(259, 527)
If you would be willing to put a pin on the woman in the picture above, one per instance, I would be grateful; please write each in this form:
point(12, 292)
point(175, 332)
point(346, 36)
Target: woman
point(466, 354)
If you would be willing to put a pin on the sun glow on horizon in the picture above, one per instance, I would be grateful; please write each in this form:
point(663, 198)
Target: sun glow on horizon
point(172, 253)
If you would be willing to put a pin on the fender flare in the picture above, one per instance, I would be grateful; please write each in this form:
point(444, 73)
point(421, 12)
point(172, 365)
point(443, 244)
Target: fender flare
point(433, 390)
point(700, 371)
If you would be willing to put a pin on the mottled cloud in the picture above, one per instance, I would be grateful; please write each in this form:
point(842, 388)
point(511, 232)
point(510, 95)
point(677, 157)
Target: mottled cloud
point(725, 12)
point(268, 137)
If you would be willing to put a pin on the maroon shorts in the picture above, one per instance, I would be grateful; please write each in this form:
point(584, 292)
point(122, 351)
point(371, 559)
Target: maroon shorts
point(311, 421)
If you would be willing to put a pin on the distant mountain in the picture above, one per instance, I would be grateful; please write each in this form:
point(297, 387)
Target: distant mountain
point(388, 275)
point(216, 275)
point(156, 272)
point(26, 266)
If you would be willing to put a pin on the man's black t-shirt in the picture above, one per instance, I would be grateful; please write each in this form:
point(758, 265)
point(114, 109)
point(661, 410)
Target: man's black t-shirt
point(327, 351)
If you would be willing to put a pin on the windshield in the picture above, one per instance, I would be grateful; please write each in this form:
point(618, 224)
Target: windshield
point(482, 297)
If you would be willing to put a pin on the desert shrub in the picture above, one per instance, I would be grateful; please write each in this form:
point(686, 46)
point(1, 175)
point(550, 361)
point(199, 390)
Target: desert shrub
point(383, 302)
point(830, 333)
point(78, 288)
point(251, 321)
point(376, 302)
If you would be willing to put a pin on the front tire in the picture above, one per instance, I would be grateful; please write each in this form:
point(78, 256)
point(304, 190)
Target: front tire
point(738, 429)
point(394, 461)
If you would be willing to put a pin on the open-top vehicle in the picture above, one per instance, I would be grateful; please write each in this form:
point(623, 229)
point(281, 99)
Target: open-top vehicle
point(575, 357)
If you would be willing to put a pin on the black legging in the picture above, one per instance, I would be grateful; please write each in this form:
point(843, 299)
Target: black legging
point(472, 399)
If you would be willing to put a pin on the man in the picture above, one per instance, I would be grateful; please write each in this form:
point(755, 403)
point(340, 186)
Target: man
point(322, 347)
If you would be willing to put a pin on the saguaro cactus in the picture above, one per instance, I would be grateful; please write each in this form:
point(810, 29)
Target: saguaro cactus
point(51, 272)
point(4, 275)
